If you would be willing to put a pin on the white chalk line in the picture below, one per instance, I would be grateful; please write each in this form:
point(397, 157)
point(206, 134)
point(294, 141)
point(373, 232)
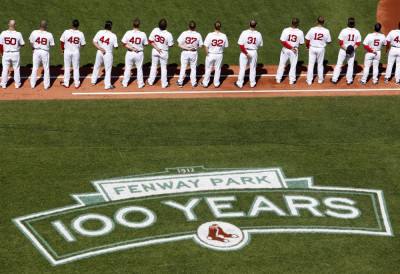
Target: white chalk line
point(205, 92)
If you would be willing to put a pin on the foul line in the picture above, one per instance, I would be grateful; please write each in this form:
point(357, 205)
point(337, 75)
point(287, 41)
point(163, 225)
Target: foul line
point(174, 92)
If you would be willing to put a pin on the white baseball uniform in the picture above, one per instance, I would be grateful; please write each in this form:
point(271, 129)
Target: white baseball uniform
point(215, 42)
point(107, 40)
point(373, 44)
point(251, 40)
point(347, 37)
point(138, 40)
point(12, 42)
point(292, 38)
point(163, 40)
point(394, 54)
point(73, 41)
point(193, 40)
point(318, 38)
point(41, 42)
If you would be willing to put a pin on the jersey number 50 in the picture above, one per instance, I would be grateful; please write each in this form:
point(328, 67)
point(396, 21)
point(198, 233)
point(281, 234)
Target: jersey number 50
point(10, 41)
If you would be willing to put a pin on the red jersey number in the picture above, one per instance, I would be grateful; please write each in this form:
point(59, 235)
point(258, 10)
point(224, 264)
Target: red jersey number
point(292, 38)
point(105, 41)
point(159, 39)
point(74, 40)
point(10, 41)
point(217, 42)
point(251, 40)
point(136, 40)
point(397, 39)
point(318, 36)
point(377, 42)
point(351, 38)
point(190, 40)
point(41, 41)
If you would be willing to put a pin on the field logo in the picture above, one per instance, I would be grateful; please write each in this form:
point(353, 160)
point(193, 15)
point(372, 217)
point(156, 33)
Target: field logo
point(218, 209)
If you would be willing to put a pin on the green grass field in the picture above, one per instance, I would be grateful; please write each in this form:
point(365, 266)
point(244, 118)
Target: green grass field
point(272, 16)
point(52, 149)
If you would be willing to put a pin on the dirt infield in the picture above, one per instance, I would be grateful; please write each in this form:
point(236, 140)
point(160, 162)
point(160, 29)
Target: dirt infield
point(388, 14)
point(266, 87)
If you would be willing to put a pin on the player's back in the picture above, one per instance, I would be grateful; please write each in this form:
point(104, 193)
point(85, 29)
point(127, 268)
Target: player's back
point(216, 42)
point(375, 41)
point(251, 39)
point(73, 39)
point(106, 39)
point(319, 36)
point(11, 40)
point(394, 38)
point(41, 39)
point(191, 37)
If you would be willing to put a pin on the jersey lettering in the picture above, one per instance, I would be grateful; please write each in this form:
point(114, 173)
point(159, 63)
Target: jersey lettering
point(217, 42)
point(41, 40)
point(10, 41)
point(105, 41)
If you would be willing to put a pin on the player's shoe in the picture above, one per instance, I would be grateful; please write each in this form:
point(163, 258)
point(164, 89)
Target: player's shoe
point(150, 84)
point(64, 85)
point(179, 84)
point(363, 82)
point(375, 82)
point(309, 83)
point(142, 86)
point(320, 81)
point(397, 82)
point(387, 80)
point(292, 83)
point(236, 85)
point(334, 82)
point(253, 86)
point(165, 86)
point(18, 86)
point(217, 86)
point(124, 86)
point(349, 83)
point(203, 86)
point(278, 81)
point(195, 85)
point(3, 87)
point(110, 87)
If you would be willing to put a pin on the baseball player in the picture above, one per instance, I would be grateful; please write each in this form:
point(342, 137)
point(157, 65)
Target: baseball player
point(41, 40)
point(249, 42)
point(316, 40)
point(373, 44)
point(189, 41)
point(105, 41)
point(11, 42)
point(161, 40)
point(349, 41)
point(393, 42)
point(291, 38)
point(214, 45)
point(134, 41)
point(71, 42)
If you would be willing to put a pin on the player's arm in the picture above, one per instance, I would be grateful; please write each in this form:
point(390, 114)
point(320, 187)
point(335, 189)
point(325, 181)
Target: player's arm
point(1, 45)
point(97, 45)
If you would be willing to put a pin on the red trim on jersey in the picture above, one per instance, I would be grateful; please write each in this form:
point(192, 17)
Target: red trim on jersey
point(308, 43)
point(368, 48)
point(341, 43)
point(151, 42)
point(1, 48)
point(358, 44)
point(387, 46)
point(286, 44)
point(243, 49)
point(62, 45)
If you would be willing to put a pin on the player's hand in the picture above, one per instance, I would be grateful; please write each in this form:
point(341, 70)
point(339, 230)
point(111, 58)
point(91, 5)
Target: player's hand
point(248, 56)
point(295, 50)
point(103, 51)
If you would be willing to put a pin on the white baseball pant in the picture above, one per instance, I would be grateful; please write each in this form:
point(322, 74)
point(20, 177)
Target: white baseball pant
point(252, 62)
point(213, 60)
point(156, 58)
point(188, 58)
point(107, 60)
point(132, 58)
point(374, 60)
point(11, 59)
point(71, 58)
point(394, 56)
point(315, 55)
point(41, 57)
point(342, 57)
point(287, 55)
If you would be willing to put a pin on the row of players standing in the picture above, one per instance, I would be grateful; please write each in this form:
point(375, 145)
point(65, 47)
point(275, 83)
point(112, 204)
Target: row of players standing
point(190, 41)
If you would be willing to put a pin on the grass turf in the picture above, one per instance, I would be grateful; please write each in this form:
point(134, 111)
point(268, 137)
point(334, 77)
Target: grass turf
point(52, 149)
point(272, 16)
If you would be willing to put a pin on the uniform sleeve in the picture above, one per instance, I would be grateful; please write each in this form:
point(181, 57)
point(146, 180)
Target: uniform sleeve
point(341, 35)
point(145, 40)
point(366, 41)
point(389, 37)
point(226, 42)
point(329, 38)
point(308, 35)
point(1, 39)
point(83, 40)
point(283, 36)
point(242, 39)
point(359, 37)
point(151, 37)
point(32, 38)
point(384, 41)
point(52, 44)
point(261, 41)
point(96, 37)
point(180, 39)
point(301, 38)
point(124, 39)
point(115, 41)
point(201, 43)
point(207, 41)
point(62, 38)
point(170, 40)
point(21, 40)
